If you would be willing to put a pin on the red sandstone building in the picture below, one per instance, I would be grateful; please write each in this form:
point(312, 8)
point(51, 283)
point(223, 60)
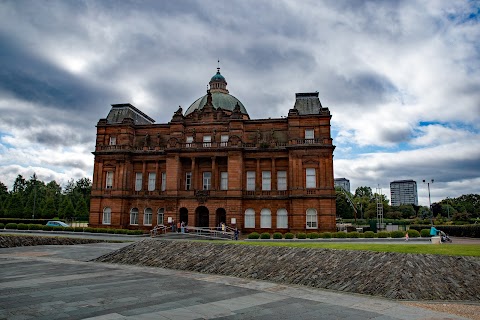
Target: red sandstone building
point(214, 164)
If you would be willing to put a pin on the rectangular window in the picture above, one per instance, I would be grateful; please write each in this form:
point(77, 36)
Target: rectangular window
point(251, 180)
point(109, 180)
point(164, 181)
point(266, 180)
point(207, 180)
point(188, 180)
point(189, 142)
point(134, 217)
point(207, 141)
point(309, 134)
point(282, 180)
point(113, 141)
point(160, 216)
point(223, 180)
point(138, 181)
point(224, 140)
point(107, 215)
point(311, 179)
point(152, 177)
point(147, 217)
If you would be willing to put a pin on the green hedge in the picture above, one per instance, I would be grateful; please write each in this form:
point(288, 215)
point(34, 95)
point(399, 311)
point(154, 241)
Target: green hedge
point(369, 234)
point(469, 230)
point(22, 226)
point(326, 235)
point(301, 235)
point(289, 235)
point(353, 234)
point(313, 235)
point(2, 226)
point(254, 235)
point(383, 234)
point(11, 226)
point(265, 235)
point(413, 233)
point(397, 234)
point(340, 234)
point(277, 235)
point(425, 233)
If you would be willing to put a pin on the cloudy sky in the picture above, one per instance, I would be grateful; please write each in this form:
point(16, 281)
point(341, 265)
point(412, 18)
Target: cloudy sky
point(401, 78)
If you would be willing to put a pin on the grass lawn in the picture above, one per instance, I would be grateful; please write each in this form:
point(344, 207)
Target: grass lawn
point(441, 249)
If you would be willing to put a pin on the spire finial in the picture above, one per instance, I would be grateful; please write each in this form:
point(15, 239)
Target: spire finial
point(218, 65)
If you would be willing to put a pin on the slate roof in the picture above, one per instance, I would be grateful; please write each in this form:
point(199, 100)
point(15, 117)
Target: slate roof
point(126, 110)
point(307, 103)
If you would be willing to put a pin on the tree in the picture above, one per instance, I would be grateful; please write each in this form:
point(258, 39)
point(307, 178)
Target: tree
point(19, 184)
point(81, 209)
point(14, 207)
point(364, 192)
point(344, 209)
point(68, 211)
point(48, 210)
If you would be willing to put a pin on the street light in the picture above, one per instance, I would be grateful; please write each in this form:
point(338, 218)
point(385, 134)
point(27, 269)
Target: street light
point(429, 200)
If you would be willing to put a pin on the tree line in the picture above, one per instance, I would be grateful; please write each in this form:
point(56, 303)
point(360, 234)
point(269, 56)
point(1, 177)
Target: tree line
point(36, 199)
point(463, 208)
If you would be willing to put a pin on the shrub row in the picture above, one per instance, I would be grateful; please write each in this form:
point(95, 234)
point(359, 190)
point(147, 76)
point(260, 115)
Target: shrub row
point(471, 231)
point(23, 226)
point(412, 233)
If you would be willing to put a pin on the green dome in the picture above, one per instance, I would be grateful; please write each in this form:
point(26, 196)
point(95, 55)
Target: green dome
point(218, 77)
point(220, 100)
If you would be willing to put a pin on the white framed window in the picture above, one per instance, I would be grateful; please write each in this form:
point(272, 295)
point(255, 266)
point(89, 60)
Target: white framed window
point(189, 141)
point(282, 219)
point(224, 140)
point(309, 134)
point(138, 181)
point(147, 217)
point(265, 219)
point(134, 216)
point(164, 181)
point(282, 180)
point(160, 215)
point(207, 141)
point(152, 177)
point(251, 180)
point(188, 180)
point(112, 141)
point(311, 178)
point(107, 215)
point(312, 219)
point(109, 180)
point(249, 218)
point(207, 180)
point(224, 180)
point(266, 180)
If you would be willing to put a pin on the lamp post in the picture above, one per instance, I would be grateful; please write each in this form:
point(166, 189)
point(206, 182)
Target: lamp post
point(429, 200)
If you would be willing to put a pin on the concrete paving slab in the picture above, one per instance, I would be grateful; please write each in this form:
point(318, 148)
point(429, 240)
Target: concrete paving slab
point(62, 284)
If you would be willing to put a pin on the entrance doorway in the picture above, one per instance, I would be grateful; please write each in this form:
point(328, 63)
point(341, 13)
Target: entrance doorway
point(220, 217)
point(202, 216)
point(184, 215)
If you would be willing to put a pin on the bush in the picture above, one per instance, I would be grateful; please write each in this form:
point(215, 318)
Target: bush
point(353, 234)
point(289, 235)
point(22, 226)
point(11, 226)
point(111, 231)
point(277, 235)
point(88, 230)
point(2, 226)
point(47, 228)
point(397, 234)
point(69, 229)
point(301, 235)
point(254, 235)
point(383, 234)
point(327, 235)
point(369, 234)
point(424, 233)
point(135, 232)
point(361, 235)
point(120, 231)
point(313, 235)
point(413, 233)
point(340, 234)
point(35, 226)
point(265, 235)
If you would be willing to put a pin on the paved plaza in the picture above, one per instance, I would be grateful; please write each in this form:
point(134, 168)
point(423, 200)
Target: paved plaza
point(58, 282)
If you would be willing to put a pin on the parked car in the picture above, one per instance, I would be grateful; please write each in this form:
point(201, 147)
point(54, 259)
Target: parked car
point(57, 224)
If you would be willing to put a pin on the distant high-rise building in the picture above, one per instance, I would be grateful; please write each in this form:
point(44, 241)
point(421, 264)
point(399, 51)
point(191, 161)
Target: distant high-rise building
point(403, 192)
point(343, 183)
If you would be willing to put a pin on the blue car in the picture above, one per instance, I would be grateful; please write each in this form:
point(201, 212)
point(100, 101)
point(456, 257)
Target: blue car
point(57, 224)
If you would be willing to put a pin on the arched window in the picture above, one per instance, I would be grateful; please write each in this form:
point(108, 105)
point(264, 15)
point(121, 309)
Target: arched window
point(312, 219)
point(266, 219)
point(134, 216)
point(147, 216)
point(160, 216)
point(249, 218)
point(282, 219)
point(107, 215)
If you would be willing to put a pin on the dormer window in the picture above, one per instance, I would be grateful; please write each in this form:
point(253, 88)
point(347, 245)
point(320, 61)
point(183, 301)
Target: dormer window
point(224, 140)
point(309, 135)
point(189, 142)
point(207, 141)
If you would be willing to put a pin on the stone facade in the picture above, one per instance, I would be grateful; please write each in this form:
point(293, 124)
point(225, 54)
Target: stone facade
point(214, 164)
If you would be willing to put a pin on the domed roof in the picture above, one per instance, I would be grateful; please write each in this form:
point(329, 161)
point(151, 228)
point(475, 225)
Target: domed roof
point(220, 96)
point(220, 100)
point(218, 77)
